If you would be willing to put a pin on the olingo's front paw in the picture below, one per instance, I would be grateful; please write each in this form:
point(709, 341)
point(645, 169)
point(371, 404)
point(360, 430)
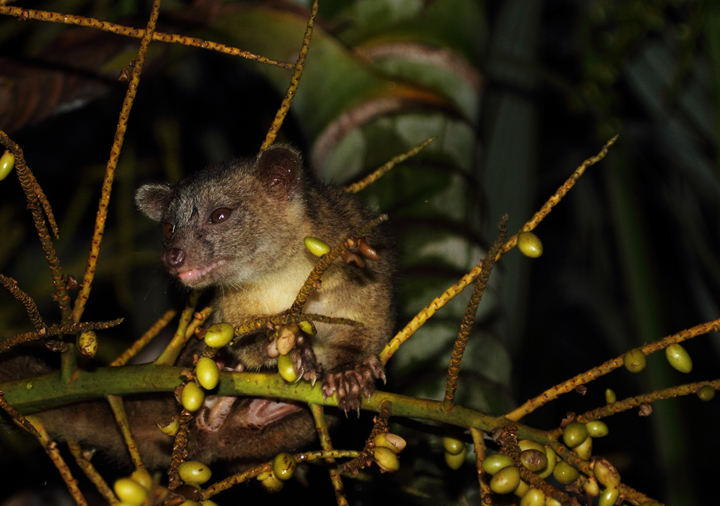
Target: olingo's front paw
point(305, 362)
point(351, 382)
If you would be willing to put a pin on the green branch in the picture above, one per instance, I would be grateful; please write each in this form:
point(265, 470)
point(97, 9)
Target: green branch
point(31, 395)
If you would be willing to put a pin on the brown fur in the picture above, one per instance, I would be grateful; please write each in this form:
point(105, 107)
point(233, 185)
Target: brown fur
point(252, 252)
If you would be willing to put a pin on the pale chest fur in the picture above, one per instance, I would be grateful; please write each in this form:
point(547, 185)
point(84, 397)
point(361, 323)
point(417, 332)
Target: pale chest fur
point(276, 292)
point(272, 294)
point(340, 295)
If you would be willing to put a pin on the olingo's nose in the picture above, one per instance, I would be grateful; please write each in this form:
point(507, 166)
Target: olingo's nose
point(173, 258)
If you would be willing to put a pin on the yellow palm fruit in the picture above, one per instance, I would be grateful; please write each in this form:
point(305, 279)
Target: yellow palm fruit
point(7, 162)
point(284, 466)
point(207, 373)
point(130, 492)
point(192, 397)
point(192, 471)
point(219, 335)
point(286, 369)
point(505, 481)
point(634, 360)
point(575, 434)
point(316, 246)
point(678, 357)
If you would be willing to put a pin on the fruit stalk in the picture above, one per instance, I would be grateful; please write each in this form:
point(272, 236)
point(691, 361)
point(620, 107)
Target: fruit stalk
point(51, 449)
point(181, 440)
point(173, 349)
point(118, 409)
point(633, 402)
point(609, 366)
point(312, 280)
point(324, 435)
point(469, 318)
point(508, 442)
point(380, 427)
point(479, 448)
point(30, 307)
point(92, 474)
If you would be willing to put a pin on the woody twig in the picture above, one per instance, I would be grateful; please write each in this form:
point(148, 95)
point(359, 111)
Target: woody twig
point(144, 339)
point(91, 473)
point(233, 480)
point(37, 204)
point(326, 444)
point(199, 317)
point(173, 349)
point(118, 409)
point(178, 451)
point(294, 81)
point(138, 33)
point(257, 470)
point(384, 169)
point(30, 307)
point(29, 184)
point(480, 448)
point(557, 196)
point(426, 313)
point(51, 449)
point(101, 217)
point(37, 201)
point(5, 406)
point(633, 402)
point(366, 457)
point(68, 364)
point(626, 492)
point(508, 442)
point(469, 318)
point(313, 279)
point(601, 370)
point(54, 330)
point(287, 319)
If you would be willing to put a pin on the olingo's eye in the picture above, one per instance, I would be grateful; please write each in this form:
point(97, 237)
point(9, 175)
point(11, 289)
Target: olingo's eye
point(220, 215)
point(168, 229)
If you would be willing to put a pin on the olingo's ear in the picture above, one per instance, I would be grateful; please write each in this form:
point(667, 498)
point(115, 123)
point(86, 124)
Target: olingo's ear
point(153, 200)
point(280, 168)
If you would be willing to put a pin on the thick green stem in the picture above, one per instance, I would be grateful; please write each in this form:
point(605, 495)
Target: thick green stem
point(31, 395)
